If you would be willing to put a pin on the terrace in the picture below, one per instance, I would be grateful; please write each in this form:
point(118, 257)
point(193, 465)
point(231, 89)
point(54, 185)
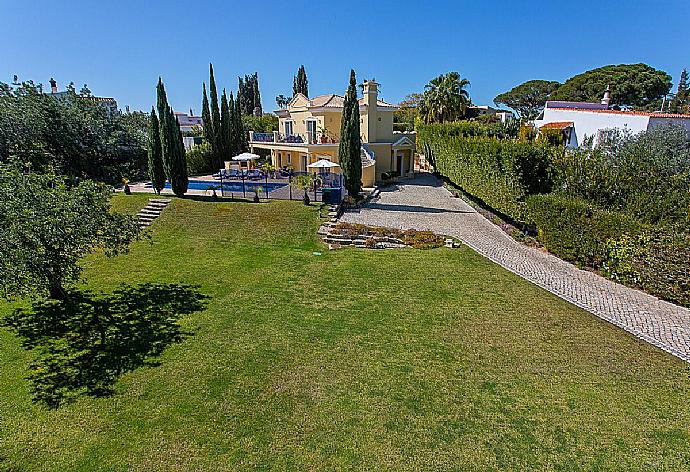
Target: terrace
point(308, 138)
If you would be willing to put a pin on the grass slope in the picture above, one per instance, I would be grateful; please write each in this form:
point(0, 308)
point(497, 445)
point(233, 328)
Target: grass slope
point(352, 360)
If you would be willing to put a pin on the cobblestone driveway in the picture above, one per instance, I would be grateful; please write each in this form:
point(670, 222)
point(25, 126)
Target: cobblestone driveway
point(424, 204)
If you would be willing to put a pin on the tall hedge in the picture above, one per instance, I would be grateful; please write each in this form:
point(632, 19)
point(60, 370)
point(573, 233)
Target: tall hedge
point(577, 231)
point(501, 172)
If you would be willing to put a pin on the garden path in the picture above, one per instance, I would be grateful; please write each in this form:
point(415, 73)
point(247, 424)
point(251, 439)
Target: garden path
point(423, 203)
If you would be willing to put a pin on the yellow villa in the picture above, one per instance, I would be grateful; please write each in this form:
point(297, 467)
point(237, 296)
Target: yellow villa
point(310, 130)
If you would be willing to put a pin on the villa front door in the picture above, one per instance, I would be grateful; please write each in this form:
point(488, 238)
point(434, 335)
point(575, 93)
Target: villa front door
point(399, 164)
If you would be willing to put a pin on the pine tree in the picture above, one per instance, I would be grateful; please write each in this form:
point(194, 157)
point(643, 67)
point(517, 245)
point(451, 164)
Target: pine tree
point(215, 117)
point(156, 170)
point(350, 148)
point(300, 84)
point(179, 180)
point(225, 130)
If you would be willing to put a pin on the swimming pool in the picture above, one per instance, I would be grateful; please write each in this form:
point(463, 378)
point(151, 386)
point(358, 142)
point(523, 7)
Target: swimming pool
point(232, 186)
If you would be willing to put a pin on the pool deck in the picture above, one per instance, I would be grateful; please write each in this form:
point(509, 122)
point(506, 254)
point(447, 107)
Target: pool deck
point(282, 193)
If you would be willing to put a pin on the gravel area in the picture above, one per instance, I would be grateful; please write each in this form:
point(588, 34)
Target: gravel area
point(423, 203)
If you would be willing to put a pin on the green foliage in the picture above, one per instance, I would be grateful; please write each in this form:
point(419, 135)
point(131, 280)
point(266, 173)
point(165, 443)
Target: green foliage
point(72, 134)
point(200, 159)
point(528, 99)
point(282, 101)
point(155, 154)
point(468, 129)
point(445, 99)
point(226, 138)
point(551, 136)
point(248, 95)
point(172, 146)
point(500, 172)
point(47, 226)
point(300, 84)
point(635, 85)
point(214, 128)
point(646, 175)
point(350, 148)
point(661, 263)
point(408, 111)
point(681, 99)
point(577, 231)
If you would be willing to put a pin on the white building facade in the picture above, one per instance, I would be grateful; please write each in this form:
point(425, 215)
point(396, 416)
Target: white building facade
point(580, 120)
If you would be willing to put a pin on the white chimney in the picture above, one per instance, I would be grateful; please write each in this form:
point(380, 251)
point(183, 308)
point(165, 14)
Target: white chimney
point(607, 97)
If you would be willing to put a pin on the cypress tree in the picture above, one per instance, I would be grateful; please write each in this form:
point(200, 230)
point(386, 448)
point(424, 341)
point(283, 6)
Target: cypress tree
point(256, 95)
point(156, 170)
point(350, 148)
point(232, 134)
point(206, 115)
point(300, 84)
point(215, 117)
point(166, 125)
point(179, 180)
point(240, 136)
point(225, 130)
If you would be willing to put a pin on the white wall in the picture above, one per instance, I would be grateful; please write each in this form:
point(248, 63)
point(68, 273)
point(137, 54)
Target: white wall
point(588, 123)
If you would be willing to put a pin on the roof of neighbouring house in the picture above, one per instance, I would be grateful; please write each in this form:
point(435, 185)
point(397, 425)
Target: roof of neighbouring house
point(627, 112)
point(558, 124)
point(332, 100)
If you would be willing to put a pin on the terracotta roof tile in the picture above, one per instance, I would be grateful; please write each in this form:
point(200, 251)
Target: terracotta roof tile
point(558, 124)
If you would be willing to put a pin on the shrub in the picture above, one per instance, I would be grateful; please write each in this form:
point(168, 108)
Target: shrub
point(658, 261)
point(575, 230)
point(200, 159)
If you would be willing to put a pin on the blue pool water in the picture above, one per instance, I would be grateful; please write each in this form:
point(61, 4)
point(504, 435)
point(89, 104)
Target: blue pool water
point(234, 186)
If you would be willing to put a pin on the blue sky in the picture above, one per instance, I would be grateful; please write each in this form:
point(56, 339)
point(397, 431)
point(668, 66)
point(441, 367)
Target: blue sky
point(120, 48)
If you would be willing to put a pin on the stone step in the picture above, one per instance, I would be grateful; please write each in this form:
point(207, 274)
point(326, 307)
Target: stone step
point(157, 205)
point(160, 200)
point(145, 217)
point(343, 241)
point(151, 211)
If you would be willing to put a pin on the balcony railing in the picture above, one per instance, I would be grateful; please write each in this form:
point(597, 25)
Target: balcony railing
point(279, 138)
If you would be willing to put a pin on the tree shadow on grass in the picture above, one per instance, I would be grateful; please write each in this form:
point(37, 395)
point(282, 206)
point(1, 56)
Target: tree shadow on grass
point(86, 342)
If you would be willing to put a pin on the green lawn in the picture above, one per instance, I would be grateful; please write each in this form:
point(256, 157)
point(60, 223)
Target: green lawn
point(354, 359)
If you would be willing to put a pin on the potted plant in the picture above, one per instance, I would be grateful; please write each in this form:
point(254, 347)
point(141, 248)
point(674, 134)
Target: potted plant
point(304, 182)
point(257, 191)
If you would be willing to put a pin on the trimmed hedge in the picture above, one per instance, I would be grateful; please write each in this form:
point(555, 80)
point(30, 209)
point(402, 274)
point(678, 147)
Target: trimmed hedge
point(576, 231)
point(654, 259)
point(657, 261)
point(500, 172)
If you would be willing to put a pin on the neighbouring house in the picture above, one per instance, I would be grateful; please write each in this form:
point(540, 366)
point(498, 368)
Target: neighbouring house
point(188, 122)
point(579, 120)
point(309, 130)
point(501, 115)
point(110, 104)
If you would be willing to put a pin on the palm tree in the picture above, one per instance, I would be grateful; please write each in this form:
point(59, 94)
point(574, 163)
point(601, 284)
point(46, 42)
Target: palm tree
point(445, 98)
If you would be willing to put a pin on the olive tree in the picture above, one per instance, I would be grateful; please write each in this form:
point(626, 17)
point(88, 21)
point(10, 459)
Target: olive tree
point(47, 224)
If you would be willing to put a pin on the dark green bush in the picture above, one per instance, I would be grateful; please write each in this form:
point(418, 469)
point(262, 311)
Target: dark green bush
point(576, 231)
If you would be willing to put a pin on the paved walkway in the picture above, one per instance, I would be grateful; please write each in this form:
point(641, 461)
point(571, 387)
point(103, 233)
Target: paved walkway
point(424, 204)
